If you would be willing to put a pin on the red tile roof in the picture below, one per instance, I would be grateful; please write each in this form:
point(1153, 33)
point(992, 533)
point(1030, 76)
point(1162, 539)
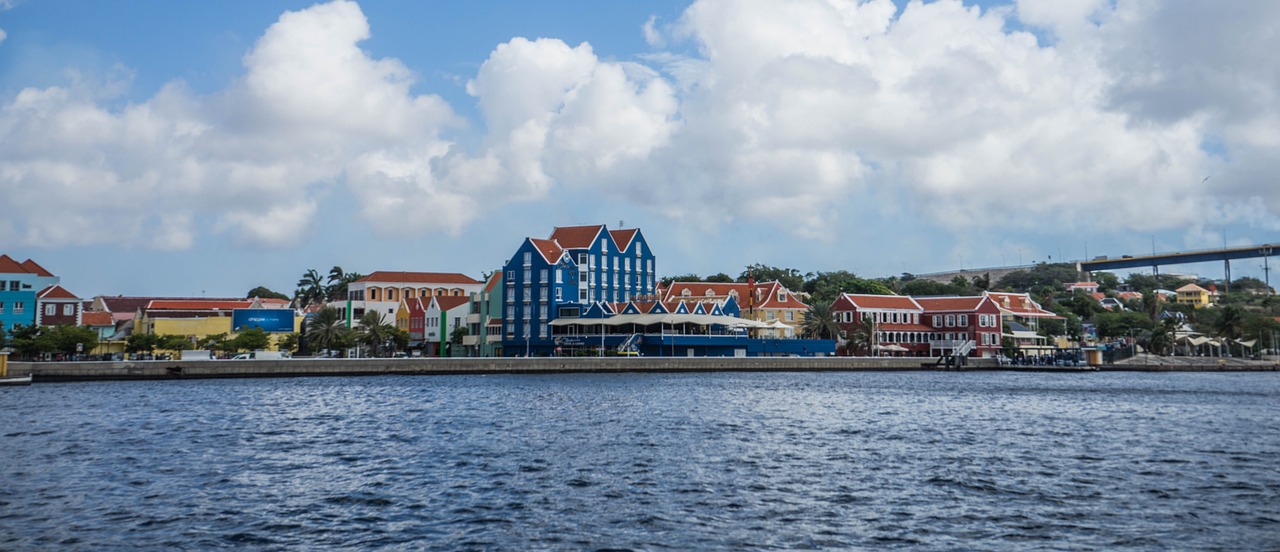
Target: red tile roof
point(449, 302)
point(576, 237)
point(494, 281)
point(36, 269)
point(768, 292)
point(549, 249)
point(10, 266)
point(194, 304)
point(622, 238)
point(950, 304)
point(899, 302)
point(1019, 304)
point(699, 289)
point(391, 277)
point(56, 292)
point(96, 318)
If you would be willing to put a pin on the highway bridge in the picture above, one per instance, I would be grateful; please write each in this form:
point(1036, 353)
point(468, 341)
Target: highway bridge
point(1155, 261)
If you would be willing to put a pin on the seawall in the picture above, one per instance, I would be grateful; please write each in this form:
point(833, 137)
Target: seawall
point(165, 369)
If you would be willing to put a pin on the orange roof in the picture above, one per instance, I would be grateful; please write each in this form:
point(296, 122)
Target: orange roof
point(863, 301)
point(622, 238)
point(390, 277)
point(96, 318)
point(945, 304)
point(549, 249)
point(576, 237)
point(36, 269)
point(1191, 288)
point(56, 292)
point(1019, 304)
point(10, 266)
point(769, 297)
point(449, 302)
point(494, 280)
point(699, 289)
point(195, 304)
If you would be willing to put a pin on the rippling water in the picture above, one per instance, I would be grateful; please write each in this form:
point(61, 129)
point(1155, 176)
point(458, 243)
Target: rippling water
point(631, 461)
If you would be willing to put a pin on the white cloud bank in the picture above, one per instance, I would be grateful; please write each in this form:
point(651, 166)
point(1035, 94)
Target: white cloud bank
point(789, 113)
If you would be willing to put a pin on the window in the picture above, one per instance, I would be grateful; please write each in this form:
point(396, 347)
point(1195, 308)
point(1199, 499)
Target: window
point(639, 250)
point(1, 307)
point(582, 260)
point(937, 321)
point(791, 315)
point(782, 296)
point(19, 307)
point(951, 320)
point(542, 293)
point(511, 312)
point(964, 320)
point(13, 285)
point(604, 245)
point(582, 295)
point(626, 264)
point(528, 258)
point(50, 309)
point(542, 275)
point(559, 295)
point(542, 312)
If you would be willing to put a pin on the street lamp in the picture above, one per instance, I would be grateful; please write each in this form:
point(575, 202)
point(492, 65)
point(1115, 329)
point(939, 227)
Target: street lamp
point(526, 344)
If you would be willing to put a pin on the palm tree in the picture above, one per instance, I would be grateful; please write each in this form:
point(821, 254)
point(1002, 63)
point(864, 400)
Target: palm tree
point(862, 338)
point(326, 328)
point(310, 289)
point(338, 280)
point(820, 322)
point(372, 331)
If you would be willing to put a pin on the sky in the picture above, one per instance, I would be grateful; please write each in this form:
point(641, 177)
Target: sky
point(205, 148)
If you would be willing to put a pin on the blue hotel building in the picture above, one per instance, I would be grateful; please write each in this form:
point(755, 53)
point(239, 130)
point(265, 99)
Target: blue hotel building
point(564, 276)
point(19, 284)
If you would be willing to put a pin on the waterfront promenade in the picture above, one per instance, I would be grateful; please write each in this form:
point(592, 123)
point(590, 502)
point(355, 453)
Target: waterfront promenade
point(303, 367)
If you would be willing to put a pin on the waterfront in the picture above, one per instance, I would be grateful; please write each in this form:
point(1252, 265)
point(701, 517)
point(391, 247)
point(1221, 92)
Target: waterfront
point(646, 461)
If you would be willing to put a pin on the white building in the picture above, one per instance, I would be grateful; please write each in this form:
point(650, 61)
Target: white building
point(382, 291)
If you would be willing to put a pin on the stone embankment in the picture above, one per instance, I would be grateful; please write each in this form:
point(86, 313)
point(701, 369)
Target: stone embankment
point(303, 367)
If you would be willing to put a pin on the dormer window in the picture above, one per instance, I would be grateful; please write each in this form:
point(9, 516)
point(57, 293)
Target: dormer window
point(782, 296)
point(686, 293)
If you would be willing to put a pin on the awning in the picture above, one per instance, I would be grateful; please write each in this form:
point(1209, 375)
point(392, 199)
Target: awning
point(651, 319)
point(1024, 335)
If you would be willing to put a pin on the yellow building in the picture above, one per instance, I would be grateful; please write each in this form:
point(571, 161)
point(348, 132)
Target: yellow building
point(197, 319)
point(1193, 295)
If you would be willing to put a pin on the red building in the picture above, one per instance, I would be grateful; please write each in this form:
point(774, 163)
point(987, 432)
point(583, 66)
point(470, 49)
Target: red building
point(57, 306)
point(926, 326)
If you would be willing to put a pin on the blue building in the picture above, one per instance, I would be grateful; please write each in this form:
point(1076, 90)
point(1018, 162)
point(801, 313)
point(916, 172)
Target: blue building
point(564, 275)
point(19, 284)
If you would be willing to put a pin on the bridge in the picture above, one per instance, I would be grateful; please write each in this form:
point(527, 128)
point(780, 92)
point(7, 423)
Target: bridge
point(1155, 261)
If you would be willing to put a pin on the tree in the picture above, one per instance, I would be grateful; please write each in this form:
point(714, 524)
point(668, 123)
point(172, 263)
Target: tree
point(372, 331)
point(789, 277)
point(820, 322)
point(924, 288)
point(720, 277)
point(211, 341)
point(1118, 324)
point(264, 293)
point(826, 287)
point(336, 290)
point(326, 328)
point(1054, 276)
point(252, 339)
point(311, 289)
point(70, 339)
point(170, 342)
point(289, 342)
point(141, 343)
point(862, 337)
point(456, 337)
point(1229, 322)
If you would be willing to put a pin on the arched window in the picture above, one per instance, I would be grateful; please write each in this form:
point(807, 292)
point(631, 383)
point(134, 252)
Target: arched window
point(373, 294)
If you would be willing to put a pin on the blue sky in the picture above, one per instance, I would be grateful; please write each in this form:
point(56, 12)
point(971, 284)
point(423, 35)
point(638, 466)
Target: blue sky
point(166, 148)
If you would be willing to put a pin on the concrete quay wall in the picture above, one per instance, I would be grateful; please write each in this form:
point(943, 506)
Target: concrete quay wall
point(131, 370)
point(157, 370)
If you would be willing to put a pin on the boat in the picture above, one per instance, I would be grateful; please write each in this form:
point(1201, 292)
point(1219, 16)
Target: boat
point(15, 380)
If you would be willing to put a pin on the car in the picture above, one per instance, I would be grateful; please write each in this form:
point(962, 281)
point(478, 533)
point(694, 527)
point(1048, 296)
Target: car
point(242, 356)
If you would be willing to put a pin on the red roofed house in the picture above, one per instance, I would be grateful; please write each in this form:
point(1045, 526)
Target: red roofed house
point(968, 325)
point(444, 313)
point(383, 290)
point(898, 328)
point(760, 301)
point(57, 306)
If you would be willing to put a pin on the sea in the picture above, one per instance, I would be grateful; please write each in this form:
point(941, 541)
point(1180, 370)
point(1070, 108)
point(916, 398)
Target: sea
point(697, 461)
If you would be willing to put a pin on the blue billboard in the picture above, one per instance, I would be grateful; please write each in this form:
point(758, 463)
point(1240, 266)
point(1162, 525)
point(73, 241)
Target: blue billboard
point(271, 320)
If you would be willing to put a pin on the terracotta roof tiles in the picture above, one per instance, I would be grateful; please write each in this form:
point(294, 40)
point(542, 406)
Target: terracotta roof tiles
point(96, 318)
point(393, 277)
point(56, 292)
point(576, 237)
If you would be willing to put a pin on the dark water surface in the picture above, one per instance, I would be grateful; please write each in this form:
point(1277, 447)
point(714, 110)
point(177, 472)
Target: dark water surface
point(643, 461)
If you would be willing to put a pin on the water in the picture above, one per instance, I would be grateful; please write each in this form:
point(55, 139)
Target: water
point(630, 461)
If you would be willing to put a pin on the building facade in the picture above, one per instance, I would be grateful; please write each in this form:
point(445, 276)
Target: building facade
point(484, 322)
point(564, 275)
point(19, 284)
point(382, 291)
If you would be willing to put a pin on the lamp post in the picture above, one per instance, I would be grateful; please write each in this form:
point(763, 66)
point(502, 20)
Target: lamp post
point(526, 344)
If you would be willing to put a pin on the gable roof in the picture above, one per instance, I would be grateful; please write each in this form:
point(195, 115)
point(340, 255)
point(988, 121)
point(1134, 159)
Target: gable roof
point(395, 277)
point(10, 266)
point(949, 304)
point(1191, 288)
point(769, 297)
point(450, 302)
point(549, 249)
point(622, 238)
point(699, 289)
point(495, 280)
point(56, 292)
point(1019, 304)
point(197, 304)
point(576, 237)
point(36, 269)
point(866, 301)
point(96, 318)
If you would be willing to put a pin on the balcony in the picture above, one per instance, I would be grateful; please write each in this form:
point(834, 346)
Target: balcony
point(470, 340)
point(473, 318)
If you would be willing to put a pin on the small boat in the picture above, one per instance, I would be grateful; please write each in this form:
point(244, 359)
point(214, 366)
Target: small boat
point(15, 380)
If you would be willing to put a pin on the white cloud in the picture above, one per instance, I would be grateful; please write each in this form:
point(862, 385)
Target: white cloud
point(3, 35)
point(789, 115)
